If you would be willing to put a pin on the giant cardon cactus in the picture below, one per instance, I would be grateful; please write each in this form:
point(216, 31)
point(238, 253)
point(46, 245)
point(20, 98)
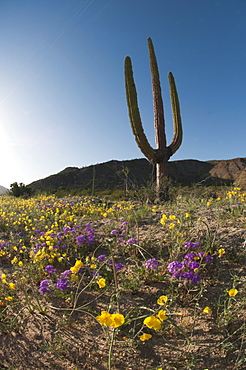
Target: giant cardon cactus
point(162, 153)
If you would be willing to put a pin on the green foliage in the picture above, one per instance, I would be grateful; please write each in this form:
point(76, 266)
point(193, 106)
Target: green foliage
point(20, 190)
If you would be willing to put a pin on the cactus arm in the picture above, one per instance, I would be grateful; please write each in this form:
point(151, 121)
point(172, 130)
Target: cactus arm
point(134, 114)
point(178, 133)
point(159, 121)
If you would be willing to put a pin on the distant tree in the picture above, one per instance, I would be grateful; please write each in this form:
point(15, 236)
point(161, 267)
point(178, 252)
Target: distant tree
point(20, 190)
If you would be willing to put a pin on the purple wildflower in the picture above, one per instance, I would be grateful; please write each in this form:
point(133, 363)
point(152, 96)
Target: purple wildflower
point(187, 275)
point(66, 273)
point(80, 239)
point(132, 241)
point(50, 269)
point(152, 264)
point(62, 284)
point(114, 232)
point(118, 266)
point(191, 244)
point(196, 245)
point(200, 254)
point(190, 256)
point(194, 265)
point(207, 258)
point(43, 287)
point(90, 238)
point(102, 257)
point(174, 266)
point(177, 274)
point(124, 223)
point(195, 279)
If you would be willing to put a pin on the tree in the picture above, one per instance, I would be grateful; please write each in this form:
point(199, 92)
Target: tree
point(20, 190)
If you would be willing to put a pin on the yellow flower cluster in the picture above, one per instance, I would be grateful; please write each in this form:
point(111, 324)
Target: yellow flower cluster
point(113, 320)
point(236, 193)
point(75, 269)
point(154, 322)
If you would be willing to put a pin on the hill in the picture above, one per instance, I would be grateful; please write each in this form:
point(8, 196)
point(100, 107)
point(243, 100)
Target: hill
point(139, 172)
point(3, 190)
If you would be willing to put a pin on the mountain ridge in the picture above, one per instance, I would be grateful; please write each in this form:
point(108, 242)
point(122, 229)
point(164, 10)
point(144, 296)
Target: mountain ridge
point(132, 173)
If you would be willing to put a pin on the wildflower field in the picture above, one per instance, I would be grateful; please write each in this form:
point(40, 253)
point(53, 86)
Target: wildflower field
point(93, 284)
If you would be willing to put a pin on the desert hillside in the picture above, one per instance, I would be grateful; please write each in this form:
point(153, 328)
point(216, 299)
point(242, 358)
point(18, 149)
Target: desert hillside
point(139, 172)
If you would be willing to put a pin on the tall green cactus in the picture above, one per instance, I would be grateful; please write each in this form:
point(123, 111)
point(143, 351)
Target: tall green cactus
point(162, 153)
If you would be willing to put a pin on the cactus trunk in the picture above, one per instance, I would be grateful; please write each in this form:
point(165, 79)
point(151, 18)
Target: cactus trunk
point(162, 153)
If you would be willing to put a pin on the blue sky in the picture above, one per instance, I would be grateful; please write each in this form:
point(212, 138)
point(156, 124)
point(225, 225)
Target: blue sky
point(62, 95)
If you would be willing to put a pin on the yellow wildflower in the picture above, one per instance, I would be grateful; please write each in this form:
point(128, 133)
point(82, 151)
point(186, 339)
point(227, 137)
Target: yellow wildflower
point(207, 310)
point(104, 318)
point(117, 320)
point(162, 315)
point(221, 251)
point(11, 285)
point(101, 283)
point(145, 336)
point(79, 264)
point(162, 300)
point(114, 320)
point(14, 260)
point(9, 298)
point(152, 322)
point(232, 292)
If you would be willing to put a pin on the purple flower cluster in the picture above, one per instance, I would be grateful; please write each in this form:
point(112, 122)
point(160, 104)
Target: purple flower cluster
point(62, 284)
point(44, 286)
point(66, 273)
point(132, 241)
point(121, 235)
point(88, 236)
point(186, 269)
point(191, 244)
point(152, 264)
point(65, 237)
point(50, 269)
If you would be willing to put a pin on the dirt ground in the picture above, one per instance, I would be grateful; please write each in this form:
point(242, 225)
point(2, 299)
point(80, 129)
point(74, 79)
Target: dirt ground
point(60, 341)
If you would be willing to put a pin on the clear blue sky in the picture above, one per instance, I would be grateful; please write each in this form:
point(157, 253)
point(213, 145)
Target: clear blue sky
point(62, 95)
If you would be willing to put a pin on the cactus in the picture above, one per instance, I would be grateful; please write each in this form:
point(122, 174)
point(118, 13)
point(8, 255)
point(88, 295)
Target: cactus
point(162, 153)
